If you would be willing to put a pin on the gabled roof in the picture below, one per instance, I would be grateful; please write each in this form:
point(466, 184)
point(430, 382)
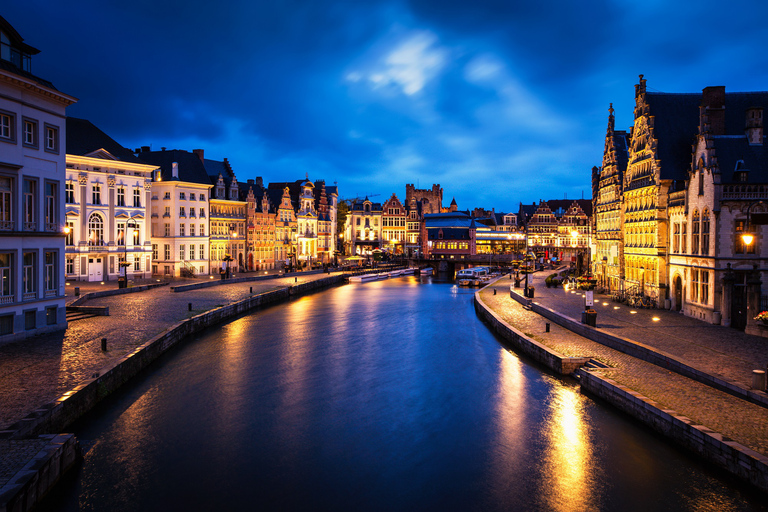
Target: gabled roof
point(191, 168)
point(84, 138)
point(676, 123)
point(733, 152)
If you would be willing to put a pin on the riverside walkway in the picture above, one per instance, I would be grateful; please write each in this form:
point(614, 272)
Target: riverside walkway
point(712, 349)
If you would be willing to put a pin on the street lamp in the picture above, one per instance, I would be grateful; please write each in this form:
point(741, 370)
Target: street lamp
point(747, 236)
point(124, 265)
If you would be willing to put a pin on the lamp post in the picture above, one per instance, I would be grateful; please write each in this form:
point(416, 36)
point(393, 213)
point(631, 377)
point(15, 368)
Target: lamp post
point(525, 257)
point(747, 236)
point(123, 280)
point(574, 242)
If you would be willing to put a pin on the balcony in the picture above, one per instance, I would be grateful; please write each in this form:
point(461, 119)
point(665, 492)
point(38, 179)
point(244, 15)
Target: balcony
point(51, 227)
point(6, 299)
point(6, 225)
point(30, 226)
point(29, 296)
point(50, 293)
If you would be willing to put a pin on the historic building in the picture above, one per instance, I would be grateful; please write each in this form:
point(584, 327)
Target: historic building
point(286, 229)
point(306, 232)
point(364, 227)
point(607, 197)
point(413, 227)
point(179, 213)
point(393, 219)
point(449, 235)
point(260, 234)
point(431, 200)
point(559, 228)
point(32, 176)
point(228, 217)
point(107, 194)
point(326, 225)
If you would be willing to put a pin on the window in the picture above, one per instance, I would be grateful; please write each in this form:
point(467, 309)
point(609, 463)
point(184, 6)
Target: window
point(705, 233)
point(51, 206)
point(136, 235)
point(6, 278)
point(167, 252)
point(7, 127)
point(191, 251)
point(182, 252)
point(191, 196)
point(28, 275)
point(167, 212)
point(695, 233)
point(70, 238)
point(701, 181)
point(695, 285)
point(182, 196)
point(182, 211)
point(30, 196)
point(202, 213)
point(137, 198)
point(202, 197)
point(96, 194)
point(30, 320)
point(137, 264)
point(167, 195)
point(202, 252)
point(121, 233)
point(202, 229)
point(182, 229)
point(167, 229)
point(704, 286)
point(191, 230)
point(6, 203)
point(121, 196)
point(70, 265)
point(29, 133)
point(154, 251)
point(51, 138)
point(95, 230)
point(50, 315)
point(51, 282)
point(192, 212)
point(167, 270)
point(69, 192)
point(684, 238)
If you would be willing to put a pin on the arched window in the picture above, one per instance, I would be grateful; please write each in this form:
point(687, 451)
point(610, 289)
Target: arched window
point(95, 230)
point(695, 233)
point(705, 232)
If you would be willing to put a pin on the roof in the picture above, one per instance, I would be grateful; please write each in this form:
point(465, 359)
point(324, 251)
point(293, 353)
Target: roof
point(83, 138)
point(18, 43)
point(191, 168)
point(676, 123)
point(447, 220)
point(448, 233)
point(736, 151)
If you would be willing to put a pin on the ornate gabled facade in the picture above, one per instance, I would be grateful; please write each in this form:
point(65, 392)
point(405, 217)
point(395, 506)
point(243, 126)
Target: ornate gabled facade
point(608, 257)
point(393, 218)
point(285, 231)
point(325, 236)
point(229, 217)
point(306, 217)
point(261, 234)
point(659, 153)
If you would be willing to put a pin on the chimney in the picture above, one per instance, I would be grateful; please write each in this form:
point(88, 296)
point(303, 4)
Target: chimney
point(175, 170)
point(200, 154)
point(250, 182)
point(145, 149)
point(260, 181)
point(754, 128)
point(713, 100)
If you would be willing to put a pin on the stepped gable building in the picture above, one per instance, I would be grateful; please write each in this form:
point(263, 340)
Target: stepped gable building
point(551, 226)
point(413, 229)
point(607, 200)
point(32, 175)
point(393, 218)
point(363, 227)
point(302, 194)
point(659, 156)
point(228, 216)
point(107, 194)
point(179, 213)
point(714, 275)
point(326, 204)
point(286, 227)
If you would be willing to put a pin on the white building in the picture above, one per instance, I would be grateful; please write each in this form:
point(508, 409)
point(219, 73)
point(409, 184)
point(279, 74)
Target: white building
point(179, 213)
point(107, 196)
point(32, 172)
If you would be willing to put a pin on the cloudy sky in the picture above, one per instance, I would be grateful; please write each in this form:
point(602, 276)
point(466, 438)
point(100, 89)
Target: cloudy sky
point(498, 101)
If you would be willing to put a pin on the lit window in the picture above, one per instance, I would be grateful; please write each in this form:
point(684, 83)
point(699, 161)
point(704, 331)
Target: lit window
point(51, 138)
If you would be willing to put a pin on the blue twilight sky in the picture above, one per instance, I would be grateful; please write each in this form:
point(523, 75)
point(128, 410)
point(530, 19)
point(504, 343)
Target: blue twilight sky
point(498, 101)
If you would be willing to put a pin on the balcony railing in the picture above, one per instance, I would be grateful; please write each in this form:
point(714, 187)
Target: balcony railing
point(30, 226)
point(6, 225)
point(6, 299)
point(51, 226)
point(30, 296)
point(50, 293)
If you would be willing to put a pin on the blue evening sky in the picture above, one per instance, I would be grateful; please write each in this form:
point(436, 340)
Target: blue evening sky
point(498, 101)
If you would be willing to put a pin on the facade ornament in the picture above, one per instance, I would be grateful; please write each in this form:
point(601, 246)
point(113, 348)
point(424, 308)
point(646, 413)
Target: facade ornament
point(82, 178)
point(111, 180)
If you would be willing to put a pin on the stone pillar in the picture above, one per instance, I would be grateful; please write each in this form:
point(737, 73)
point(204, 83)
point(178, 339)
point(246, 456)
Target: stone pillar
point(727, 297)
point(110, 225)
point(82, 180)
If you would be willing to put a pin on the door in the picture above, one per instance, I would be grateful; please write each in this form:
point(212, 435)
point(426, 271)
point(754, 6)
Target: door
point(95, 269)
point(739, 306)
point(678, 293)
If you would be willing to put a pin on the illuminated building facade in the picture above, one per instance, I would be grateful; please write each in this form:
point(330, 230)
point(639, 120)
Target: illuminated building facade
point(393, 219)
point(107, 194)
point(32, 177)
point(364, 227)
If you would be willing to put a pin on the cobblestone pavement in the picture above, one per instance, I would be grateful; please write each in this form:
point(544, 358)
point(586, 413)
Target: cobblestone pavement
point(737, 419)
point(15, 454)
point(716, 350)
point(40, 369)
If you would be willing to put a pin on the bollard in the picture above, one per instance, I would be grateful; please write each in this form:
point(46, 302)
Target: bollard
point(546, 327)
point(189, 306)
point(295, 279)
point(251, 289)
point(758, 380)
point(77, 291)
point(103, 344)
point(494, 291)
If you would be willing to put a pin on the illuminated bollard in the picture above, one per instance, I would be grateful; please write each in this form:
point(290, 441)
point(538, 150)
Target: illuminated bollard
point(758, 380)
point(103, 344)
point(77, 291)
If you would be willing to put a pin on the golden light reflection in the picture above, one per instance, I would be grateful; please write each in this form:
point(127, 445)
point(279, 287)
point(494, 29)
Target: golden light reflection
point(568, 473)
point(510, 417)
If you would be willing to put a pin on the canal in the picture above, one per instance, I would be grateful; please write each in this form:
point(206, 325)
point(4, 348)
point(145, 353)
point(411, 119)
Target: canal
point(388, 395)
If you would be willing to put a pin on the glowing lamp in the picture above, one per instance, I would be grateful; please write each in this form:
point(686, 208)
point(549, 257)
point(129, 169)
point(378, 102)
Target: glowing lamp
point(747, 238)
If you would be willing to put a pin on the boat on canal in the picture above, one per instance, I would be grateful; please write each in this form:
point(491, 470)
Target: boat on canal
point(475, 276)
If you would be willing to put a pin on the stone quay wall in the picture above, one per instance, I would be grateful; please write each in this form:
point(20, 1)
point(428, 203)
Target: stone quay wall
point(55, 416)
point(645, 353)
point(117, 291)
point(733, 457)
point(40, 474)
point(520, 342)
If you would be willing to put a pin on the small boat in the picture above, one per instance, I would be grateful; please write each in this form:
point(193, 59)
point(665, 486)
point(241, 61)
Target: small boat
point(426, 271)
point(364, 278)
point(475, 276)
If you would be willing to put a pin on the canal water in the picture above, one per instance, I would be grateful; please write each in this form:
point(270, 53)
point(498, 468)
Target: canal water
point(388, 395)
